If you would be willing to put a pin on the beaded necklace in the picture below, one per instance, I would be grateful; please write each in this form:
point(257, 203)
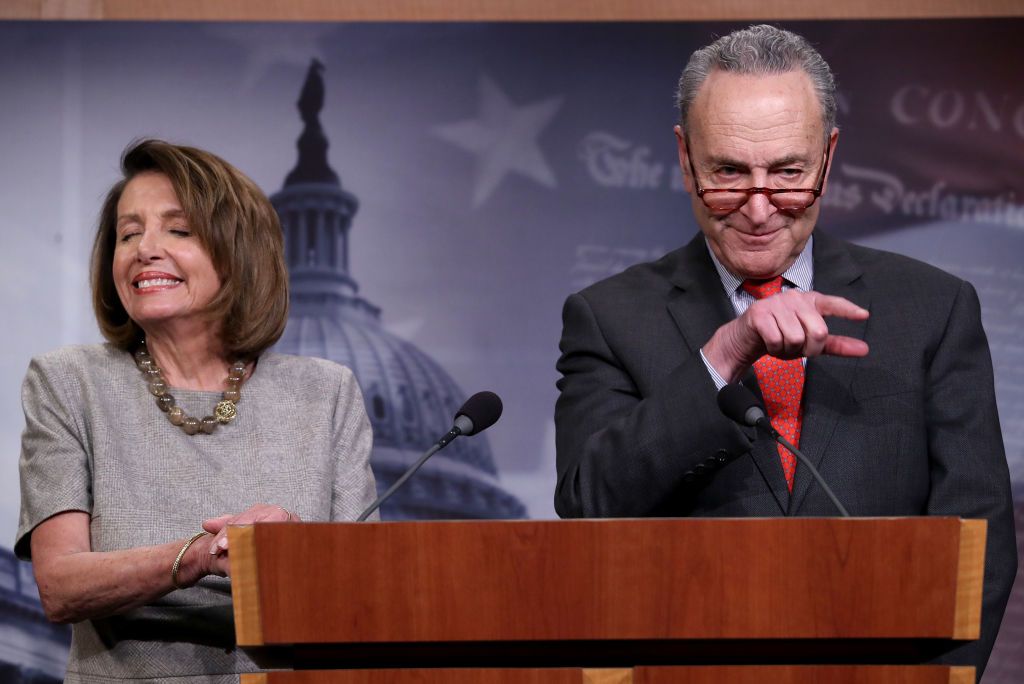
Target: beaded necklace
point(224, 412)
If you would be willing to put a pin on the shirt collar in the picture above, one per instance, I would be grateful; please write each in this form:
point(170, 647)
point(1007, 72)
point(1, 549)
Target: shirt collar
point(800, 274)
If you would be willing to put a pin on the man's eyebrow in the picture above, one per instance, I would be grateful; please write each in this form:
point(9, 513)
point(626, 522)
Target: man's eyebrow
point(721, 160)
point(788, 160)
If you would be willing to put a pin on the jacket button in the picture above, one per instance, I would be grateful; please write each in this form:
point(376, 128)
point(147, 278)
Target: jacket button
point(689, 476)
point(722, 456)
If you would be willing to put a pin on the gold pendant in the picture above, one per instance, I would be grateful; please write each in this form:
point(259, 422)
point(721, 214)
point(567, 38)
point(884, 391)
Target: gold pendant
point(225, 411)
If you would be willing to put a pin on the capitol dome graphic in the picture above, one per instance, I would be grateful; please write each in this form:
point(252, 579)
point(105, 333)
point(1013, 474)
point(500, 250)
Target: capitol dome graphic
point(409, 397)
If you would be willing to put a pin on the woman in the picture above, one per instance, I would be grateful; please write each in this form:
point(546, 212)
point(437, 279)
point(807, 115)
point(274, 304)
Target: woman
point(138, 453)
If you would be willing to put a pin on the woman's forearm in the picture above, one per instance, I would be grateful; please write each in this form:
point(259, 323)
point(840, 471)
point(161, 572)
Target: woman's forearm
point(77, 584)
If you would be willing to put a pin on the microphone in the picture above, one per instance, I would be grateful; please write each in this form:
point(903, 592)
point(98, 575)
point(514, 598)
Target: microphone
point(741, 406)
point(480, 412)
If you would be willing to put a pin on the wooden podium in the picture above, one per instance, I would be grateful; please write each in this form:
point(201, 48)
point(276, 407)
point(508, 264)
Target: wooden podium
point(651, 601)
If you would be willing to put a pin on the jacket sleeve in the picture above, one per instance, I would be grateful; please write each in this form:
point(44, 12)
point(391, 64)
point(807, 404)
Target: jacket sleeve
point(967, 462)
point(630, 447)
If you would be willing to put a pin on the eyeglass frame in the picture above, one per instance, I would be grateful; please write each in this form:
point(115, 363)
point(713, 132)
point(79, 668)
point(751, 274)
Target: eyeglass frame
point(767, 192)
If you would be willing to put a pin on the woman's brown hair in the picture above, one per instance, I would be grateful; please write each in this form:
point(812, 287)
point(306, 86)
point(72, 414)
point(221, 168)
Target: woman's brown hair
point(235, 223)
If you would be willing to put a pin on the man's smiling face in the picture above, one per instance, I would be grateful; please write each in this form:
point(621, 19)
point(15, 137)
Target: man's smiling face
point(754, 131)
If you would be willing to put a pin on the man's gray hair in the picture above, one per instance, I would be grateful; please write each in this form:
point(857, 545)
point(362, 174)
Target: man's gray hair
point(759, 50)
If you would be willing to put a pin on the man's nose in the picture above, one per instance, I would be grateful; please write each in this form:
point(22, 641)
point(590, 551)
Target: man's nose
point(758, 208)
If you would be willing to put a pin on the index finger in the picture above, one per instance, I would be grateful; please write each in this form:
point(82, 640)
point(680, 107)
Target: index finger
point(838, 345)
point(214, 525)
point(830, 305)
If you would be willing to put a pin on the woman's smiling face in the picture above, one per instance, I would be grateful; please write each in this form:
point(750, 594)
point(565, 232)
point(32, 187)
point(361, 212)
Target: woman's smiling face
point(161, 270)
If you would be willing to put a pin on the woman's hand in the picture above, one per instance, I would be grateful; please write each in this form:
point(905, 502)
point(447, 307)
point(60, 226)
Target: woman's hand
point(218, 526)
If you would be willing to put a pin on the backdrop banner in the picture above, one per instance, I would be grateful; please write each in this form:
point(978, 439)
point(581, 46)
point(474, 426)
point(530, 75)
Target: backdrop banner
point(484, 172)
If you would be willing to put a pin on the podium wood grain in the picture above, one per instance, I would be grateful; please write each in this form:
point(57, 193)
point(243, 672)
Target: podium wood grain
point(568, 675)
point(806, 674)
point(800, 674)
point(706, 579)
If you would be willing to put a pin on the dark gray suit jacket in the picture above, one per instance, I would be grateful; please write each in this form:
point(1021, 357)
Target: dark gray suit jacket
point(910, 429)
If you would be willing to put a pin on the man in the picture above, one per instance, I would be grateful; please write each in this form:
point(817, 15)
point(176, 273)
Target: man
point(875, 364)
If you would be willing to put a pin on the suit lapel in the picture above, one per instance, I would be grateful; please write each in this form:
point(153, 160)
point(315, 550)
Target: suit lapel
point(828, 378)
point(766, 454)
point(699, 306)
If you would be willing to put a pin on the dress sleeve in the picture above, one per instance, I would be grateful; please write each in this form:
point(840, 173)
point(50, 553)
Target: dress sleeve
point(54, 465)
point(354, 487)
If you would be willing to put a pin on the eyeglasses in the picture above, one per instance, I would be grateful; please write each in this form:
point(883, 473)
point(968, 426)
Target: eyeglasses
point(786, 199)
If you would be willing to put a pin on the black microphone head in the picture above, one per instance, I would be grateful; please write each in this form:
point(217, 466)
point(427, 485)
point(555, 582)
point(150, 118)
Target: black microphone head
point(739, 404)
point(483, 410)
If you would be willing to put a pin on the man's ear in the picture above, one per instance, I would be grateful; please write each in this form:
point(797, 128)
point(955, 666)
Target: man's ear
point(833, 140)
point(684, 158)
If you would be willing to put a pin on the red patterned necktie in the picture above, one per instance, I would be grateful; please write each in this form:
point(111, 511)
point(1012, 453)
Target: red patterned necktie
point(782, 386)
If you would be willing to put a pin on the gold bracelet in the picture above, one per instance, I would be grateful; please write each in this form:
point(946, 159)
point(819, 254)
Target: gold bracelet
point(181, 554)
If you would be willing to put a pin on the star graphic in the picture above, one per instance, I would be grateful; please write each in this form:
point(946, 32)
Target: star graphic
point(504, 138)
